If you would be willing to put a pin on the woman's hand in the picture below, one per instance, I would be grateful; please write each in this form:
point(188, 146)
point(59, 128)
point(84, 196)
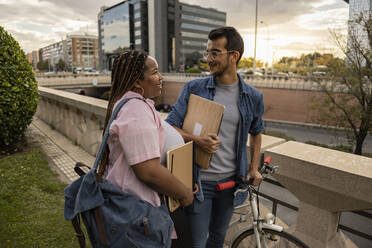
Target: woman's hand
point(159, 178)
point(187, 200)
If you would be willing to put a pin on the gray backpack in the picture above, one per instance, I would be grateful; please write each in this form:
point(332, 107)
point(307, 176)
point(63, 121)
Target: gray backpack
point(112, 217)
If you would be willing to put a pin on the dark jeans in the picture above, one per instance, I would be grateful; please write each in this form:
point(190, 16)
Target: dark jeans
point(181, 224)
point(210, 218)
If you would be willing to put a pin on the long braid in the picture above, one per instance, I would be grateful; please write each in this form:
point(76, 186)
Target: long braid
point(127, 69)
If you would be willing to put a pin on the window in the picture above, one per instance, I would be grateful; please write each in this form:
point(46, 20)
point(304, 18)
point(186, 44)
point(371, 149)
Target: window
point(201, 19)
point(194, 35)
point(196, 27)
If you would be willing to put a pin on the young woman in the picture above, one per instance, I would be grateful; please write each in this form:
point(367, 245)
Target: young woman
point(132, 158)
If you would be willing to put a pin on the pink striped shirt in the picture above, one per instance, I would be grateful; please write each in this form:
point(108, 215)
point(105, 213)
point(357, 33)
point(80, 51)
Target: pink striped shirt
point(136, 135)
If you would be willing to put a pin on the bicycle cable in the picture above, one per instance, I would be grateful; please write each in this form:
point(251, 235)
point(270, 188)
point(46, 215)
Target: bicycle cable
point(258, 199)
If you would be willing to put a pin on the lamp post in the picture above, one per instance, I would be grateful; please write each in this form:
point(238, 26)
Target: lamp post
point(267, 44)
point(255, 37)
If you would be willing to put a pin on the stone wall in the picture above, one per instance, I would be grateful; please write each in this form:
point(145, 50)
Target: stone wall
point(293, 105)
point(80, 118)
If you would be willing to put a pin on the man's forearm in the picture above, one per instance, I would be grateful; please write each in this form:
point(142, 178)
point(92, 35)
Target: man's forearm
point(255, 147)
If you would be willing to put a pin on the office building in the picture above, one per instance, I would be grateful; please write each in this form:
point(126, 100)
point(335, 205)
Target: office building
point(174, 33)
point(195, 24)
point(356, 8)
point(76, 51)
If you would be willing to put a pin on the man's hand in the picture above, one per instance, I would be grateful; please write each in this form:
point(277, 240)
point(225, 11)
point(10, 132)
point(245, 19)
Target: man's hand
point(209, 142)
point(257, 177)
point(187, 200)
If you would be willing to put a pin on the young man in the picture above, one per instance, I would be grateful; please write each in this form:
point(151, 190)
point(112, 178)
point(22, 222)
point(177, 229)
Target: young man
point(211, 211)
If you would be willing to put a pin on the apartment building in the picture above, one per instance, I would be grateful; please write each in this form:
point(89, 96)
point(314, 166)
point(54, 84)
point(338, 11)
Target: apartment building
point(76, 51)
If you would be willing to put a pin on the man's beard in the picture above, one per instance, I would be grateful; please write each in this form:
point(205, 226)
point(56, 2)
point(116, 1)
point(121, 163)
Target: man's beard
point(220, 72)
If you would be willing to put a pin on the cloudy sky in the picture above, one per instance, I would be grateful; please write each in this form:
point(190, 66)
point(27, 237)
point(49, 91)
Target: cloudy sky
point(285, 27)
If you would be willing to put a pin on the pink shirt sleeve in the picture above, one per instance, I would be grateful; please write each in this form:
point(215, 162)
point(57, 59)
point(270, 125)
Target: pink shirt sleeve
point(137, 131)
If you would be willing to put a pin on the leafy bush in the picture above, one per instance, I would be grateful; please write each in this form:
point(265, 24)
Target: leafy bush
point(193, 70)
point(18, 91)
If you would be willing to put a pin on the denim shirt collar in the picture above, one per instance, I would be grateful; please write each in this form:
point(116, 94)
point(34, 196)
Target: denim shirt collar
point(212, 85)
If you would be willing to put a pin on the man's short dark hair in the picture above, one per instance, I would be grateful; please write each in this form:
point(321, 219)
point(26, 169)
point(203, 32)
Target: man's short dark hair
point(234, 40)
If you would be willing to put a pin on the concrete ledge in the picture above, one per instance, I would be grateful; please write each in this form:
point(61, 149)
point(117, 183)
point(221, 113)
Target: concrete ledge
point(80, 118)
point(84, 103)
point(326, 182)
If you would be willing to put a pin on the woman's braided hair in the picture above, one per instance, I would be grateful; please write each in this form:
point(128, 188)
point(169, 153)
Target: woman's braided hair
point(127, 69)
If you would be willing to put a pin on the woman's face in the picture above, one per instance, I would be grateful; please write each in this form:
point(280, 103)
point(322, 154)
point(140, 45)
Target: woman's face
point(153, 80)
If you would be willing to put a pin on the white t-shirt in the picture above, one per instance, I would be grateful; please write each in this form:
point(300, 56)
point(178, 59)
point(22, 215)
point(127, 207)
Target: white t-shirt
point(172, 140)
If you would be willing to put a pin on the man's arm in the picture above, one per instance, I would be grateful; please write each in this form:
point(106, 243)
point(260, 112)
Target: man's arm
point(208, 143)
point(255, 147)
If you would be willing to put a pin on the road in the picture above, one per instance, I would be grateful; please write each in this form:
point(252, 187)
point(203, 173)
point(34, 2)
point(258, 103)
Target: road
point(323, 136)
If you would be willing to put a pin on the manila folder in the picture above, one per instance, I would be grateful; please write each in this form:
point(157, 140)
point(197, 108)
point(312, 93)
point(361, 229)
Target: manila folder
point(202, 117)
point(179, 162)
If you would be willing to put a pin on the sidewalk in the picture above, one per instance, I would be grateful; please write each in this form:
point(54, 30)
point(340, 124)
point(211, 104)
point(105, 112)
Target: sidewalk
point(61, 152)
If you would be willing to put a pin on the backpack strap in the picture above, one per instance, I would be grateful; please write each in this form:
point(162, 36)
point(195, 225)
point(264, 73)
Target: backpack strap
point(106, 134)
point(78, 232)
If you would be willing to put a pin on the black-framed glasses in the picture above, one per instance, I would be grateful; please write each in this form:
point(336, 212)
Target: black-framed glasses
point(215, 54)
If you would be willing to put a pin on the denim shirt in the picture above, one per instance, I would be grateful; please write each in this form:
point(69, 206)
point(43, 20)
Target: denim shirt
point(251, 109)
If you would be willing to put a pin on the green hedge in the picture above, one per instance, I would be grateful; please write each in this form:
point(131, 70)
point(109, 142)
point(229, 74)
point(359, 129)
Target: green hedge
point(193, 70)
point(18, 91)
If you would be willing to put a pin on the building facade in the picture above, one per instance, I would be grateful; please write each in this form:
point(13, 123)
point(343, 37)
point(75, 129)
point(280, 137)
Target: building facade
point(33, 59)
point(356, 8)
point(174, 33)
point(76, 51)
point(195, 24)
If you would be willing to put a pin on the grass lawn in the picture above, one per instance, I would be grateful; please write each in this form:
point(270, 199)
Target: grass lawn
point(31, 203)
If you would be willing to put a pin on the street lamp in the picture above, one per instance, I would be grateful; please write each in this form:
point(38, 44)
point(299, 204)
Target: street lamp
point(255, 37)
point(267, 44)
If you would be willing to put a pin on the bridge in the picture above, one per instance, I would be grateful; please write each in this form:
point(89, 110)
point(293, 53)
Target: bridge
point(288, 99)
point(69, 80)
point(326, 183)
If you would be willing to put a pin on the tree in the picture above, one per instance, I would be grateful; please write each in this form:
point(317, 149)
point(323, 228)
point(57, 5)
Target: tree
point(43, 65)
point(18, 92)
point(248, 63)
point(61, 66)
point(193, 59)
point(348, 97)
point(193, 70)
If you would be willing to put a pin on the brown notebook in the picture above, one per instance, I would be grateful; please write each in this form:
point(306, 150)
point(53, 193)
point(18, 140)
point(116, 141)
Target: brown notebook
point(179, 162)
point(203, 116)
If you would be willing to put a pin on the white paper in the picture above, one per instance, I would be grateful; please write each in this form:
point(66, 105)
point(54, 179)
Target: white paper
point(197, 129)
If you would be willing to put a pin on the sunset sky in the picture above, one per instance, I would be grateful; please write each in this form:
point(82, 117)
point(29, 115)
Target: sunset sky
point(288, 28)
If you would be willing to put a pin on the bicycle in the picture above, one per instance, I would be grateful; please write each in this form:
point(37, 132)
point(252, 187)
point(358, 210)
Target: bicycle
point(263, 233)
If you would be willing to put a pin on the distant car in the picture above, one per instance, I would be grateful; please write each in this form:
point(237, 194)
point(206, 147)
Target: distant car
point(319, 73)
point(282, 74)
point(50, 73)
point(257, 73)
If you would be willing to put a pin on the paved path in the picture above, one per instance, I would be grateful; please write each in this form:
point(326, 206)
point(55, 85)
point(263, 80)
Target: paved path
point(61, 152)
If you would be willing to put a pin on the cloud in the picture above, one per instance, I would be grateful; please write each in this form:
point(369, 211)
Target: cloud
point(38, 22)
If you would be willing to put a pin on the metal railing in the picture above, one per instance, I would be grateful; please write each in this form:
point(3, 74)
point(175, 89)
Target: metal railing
point(278, 82)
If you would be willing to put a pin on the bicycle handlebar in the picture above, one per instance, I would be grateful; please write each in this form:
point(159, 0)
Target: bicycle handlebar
point(242, 183)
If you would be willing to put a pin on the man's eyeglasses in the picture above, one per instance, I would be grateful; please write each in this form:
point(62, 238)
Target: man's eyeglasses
point(215, 54)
